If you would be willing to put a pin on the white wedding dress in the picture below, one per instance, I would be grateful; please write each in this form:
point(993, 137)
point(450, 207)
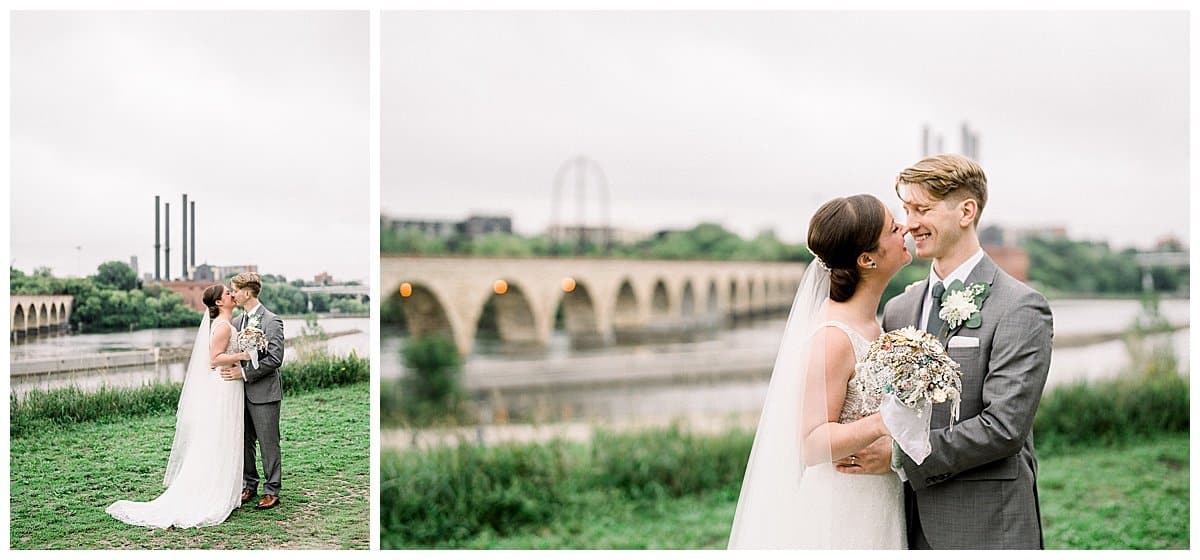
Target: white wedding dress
point(792, 496)
point(867, 510)
point(204, 471)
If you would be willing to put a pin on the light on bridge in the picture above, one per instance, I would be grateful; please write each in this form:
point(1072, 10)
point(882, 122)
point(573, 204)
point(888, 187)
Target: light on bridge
point(405, 289)
point(568, 284)
point(500, 287)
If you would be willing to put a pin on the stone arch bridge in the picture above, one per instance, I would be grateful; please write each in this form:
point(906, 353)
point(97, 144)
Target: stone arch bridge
point(33, 315)
point(602, 299)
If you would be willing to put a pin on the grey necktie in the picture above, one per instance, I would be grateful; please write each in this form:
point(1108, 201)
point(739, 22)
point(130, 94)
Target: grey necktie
point(935, 324)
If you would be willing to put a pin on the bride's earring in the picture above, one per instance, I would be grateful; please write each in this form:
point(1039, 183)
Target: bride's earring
point(873, 265)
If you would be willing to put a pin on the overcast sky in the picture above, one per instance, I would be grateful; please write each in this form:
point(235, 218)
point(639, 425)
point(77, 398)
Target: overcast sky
point(260, 117)
point(753, 119)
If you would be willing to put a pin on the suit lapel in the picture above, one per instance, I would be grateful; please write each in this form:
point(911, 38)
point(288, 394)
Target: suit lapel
point(919, 303)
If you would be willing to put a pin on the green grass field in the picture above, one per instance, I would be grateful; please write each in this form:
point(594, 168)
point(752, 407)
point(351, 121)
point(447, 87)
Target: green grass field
point(1130, 496)
point(63, 479)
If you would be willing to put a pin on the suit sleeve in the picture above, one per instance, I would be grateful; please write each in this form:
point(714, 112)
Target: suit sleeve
point(272, 357)
point(1012, 389)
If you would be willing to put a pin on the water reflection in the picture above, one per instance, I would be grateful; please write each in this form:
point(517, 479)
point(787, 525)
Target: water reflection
point(751, 345)
point(359, 343)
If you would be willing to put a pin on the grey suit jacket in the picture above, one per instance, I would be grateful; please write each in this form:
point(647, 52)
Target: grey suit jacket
point(263, 384)
point(978, 487)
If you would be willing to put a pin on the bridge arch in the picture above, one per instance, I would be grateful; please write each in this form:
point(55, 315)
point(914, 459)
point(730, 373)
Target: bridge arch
point(660, 301)
point(514, 315)
point(580, 317)
point(19, 320)
point(425, 313)
point(627, 314)
point(712, 305)
point(751, 297)
point(687, 302)
point(732, 309)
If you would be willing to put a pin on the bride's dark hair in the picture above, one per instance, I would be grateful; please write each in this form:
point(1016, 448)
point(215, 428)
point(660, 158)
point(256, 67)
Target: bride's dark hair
point(212, 295)
point(840, 231)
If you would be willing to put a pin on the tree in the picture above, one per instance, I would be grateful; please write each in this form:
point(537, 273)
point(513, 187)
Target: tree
point(116, 275)
point(320, 302)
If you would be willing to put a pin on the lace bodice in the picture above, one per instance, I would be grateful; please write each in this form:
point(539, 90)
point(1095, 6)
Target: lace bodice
point(856, 402)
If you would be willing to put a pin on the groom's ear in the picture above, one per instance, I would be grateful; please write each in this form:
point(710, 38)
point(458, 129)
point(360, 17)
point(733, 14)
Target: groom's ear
point(968, 209)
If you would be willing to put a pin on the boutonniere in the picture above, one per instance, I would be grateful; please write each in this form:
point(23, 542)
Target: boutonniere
point(961, 304)
point(252, 322)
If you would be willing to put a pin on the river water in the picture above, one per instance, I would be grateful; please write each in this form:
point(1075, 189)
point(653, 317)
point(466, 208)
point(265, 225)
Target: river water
point(743, 398)
point(67, 345)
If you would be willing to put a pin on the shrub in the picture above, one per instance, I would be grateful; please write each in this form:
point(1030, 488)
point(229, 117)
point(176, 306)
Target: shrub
point(432, 390)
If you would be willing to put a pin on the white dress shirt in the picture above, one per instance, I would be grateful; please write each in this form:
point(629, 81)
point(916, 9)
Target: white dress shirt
point(961, 273)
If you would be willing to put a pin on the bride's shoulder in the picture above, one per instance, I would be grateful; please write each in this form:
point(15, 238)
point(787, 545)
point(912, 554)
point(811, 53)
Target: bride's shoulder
point(836, 341)
point(221, 326)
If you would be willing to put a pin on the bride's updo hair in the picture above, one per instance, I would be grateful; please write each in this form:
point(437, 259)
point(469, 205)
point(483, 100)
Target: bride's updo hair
point(840, 231)
point(212, 295)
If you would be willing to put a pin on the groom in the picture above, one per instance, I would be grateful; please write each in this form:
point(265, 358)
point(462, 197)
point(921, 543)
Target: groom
point(263, 393)
point(978, 487)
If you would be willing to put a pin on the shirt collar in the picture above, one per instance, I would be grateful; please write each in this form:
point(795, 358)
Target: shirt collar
point(250, 312)
point(961, 273)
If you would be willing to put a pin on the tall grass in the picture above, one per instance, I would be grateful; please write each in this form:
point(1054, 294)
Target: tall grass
point(448, 495)
point(39, 410)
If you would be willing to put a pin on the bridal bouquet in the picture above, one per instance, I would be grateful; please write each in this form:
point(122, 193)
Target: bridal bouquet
point(913, 371)
point(252, 339)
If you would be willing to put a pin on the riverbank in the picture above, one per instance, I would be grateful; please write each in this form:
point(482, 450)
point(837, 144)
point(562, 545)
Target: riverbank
point(625, 489)
point(63, 479)
point(40, 411)
point(114, 361)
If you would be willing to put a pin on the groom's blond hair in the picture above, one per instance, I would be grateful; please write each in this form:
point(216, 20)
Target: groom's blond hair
point(948, 176)
point(249, 281)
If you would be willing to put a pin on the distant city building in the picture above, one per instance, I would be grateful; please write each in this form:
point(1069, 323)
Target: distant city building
point(440, 229)
point(133, 263)
point(474, 226)
point(1012, 237)
point(1169, 244)
point(1013, 260)
point(1003, 245)
point(204, 273)
point(323, 278)
point(991, 235)
point(221, 272)
point(478, 226)
point(596, 235)
point(192, 291)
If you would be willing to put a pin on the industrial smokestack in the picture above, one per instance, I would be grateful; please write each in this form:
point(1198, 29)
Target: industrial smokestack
point(157, 239)
point(193, 235)
point(184, 273)
point(167, 259)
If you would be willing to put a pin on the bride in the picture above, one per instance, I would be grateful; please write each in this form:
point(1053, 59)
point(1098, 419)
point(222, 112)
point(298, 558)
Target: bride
point(204, 471)
point(792, 495)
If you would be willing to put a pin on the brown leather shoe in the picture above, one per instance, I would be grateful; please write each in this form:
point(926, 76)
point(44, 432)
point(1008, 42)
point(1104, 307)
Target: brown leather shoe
point(247, 495)
point(268, 501)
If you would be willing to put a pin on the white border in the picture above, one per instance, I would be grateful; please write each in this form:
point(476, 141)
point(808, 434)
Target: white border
point(375, 7)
